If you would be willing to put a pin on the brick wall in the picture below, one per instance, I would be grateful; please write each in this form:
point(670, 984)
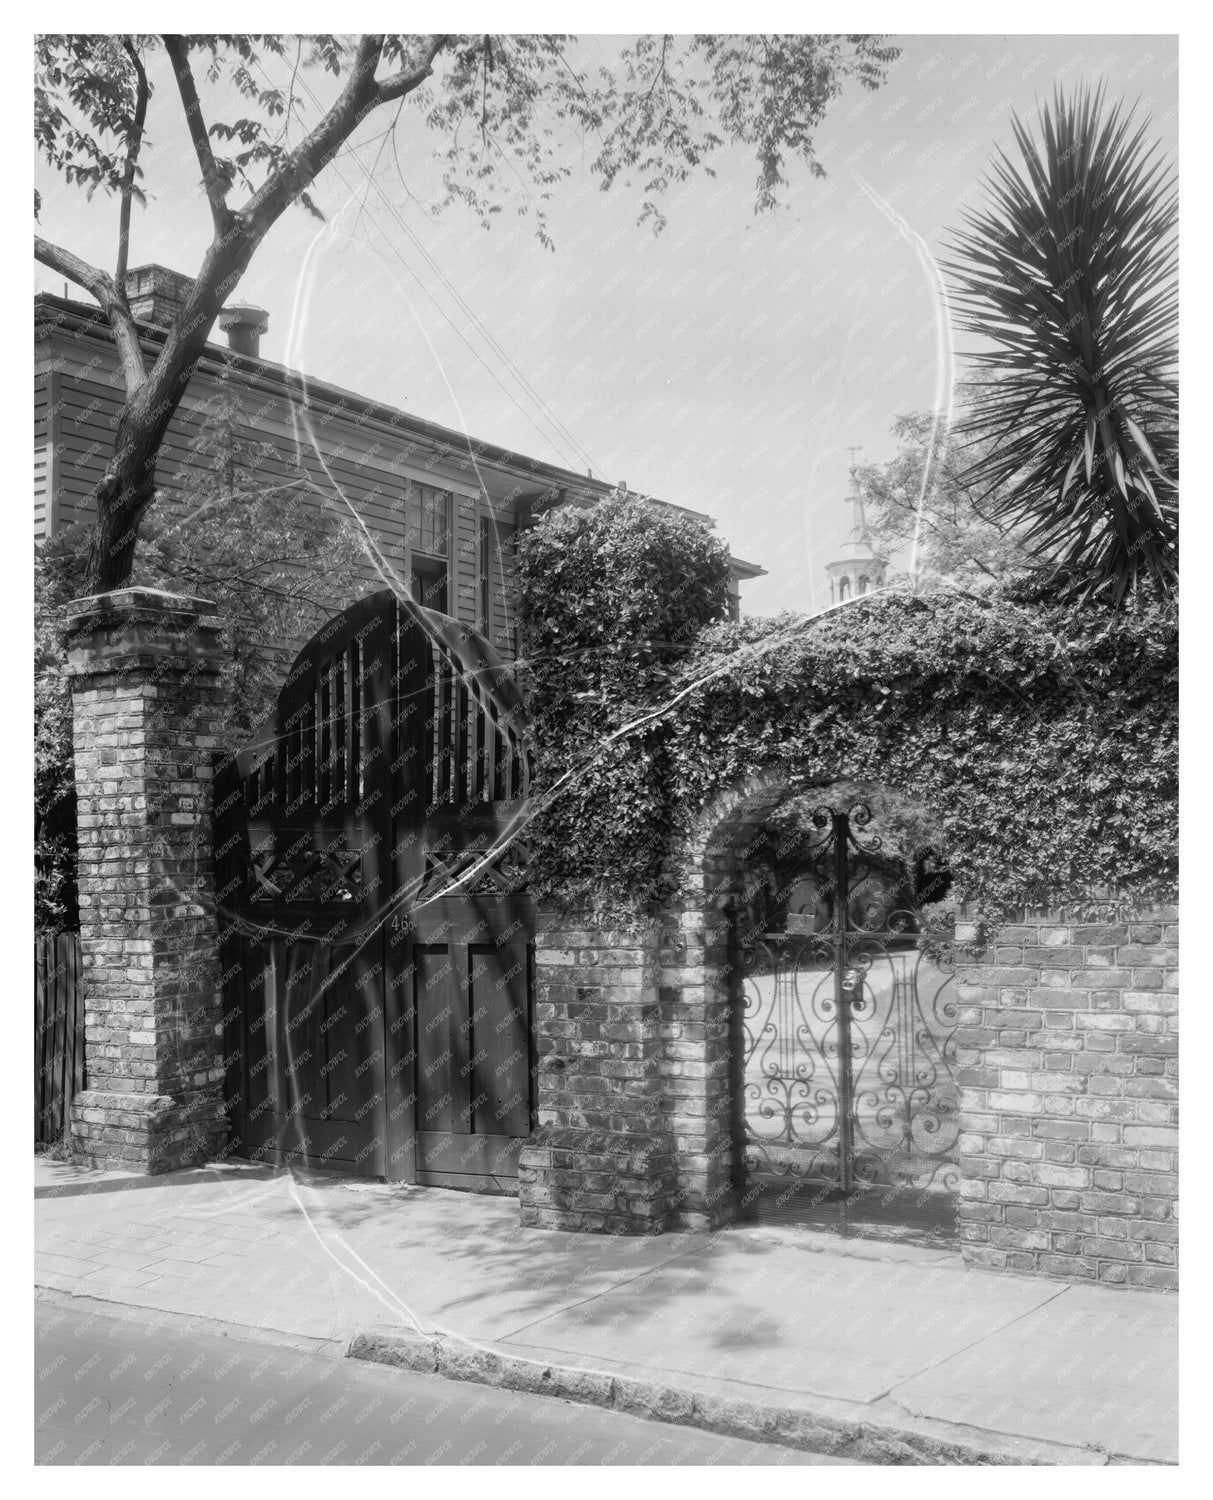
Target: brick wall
point(600, 1158)
point(1067, 1057)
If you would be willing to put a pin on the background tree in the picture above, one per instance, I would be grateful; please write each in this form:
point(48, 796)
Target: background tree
point(502, 108)
point(927, 494)
point(1070, 274)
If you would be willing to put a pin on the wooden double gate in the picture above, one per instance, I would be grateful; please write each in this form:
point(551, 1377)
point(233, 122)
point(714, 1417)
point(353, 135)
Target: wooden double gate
point(376, 938)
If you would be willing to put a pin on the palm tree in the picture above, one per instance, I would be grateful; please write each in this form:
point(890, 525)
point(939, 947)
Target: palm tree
point(1069, 272)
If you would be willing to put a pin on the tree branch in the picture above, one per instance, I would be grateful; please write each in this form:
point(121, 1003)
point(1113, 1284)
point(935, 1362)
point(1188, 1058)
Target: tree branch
point(91, 278)
point(211, 179)
point(318, 147)
point(101, 288)
point(403, 83)
point(132, 158)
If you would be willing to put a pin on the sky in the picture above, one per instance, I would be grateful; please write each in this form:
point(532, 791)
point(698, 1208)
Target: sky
point(734, 364)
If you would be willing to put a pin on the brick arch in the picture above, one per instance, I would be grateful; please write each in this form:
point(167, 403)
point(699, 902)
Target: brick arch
point(701, 1019)
point(759, 793)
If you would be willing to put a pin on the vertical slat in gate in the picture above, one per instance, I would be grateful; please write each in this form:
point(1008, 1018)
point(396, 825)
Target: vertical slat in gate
point(58, 1032)
point(475, 732)
point(66, 961)
point(500, 786)
point(78, 1026)
point(324, 735)
point(39, 1034)
point(446, 671)
point(342, 714)
point(461, 745)
point(60, 1045)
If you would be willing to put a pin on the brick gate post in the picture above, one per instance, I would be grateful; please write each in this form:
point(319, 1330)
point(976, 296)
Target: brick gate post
point(601, 1160)
point(143, 667)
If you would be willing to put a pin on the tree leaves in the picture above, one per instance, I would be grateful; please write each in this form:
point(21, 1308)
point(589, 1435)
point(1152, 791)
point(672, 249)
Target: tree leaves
point(504, 107)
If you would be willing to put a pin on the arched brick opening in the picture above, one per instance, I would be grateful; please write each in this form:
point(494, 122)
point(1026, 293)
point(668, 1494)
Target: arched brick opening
point(704, 1036)
point(641, 1047)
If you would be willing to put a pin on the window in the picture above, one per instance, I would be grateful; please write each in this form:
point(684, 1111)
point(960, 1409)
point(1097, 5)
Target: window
point(428, 580)
point(429, 545)
point(429, 528)
point(863, 583)
point(844, 589)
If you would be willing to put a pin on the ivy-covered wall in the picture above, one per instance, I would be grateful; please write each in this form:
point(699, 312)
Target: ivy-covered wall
point(1041, 736)
point(611, 598)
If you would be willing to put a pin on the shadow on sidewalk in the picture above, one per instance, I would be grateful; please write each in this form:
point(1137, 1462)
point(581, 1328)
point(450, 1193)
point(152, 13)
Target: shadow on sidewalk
point(70, 1181)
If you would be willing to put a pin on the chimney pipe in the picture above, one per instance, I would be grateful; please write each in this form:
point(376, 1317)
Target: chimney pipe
point(244, 325)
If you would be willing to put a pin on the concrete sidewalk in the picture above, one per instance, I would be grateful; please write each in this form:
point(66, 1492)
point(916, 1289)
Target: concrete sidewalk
point(887, 1353)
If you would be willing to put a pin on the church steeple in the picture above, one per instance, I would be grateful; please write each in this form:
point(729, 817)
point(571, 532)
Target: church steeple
point(856, 568)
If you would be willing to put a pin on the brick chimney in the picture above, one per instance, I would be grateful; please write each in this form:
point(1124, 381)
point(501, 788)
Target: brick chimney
point(157, 294)
point(244, 324)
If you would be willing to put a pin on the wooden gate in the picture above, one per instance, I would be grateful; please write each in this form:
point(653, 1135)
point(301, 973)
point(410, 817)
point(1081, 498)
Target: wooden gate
point(375, 937)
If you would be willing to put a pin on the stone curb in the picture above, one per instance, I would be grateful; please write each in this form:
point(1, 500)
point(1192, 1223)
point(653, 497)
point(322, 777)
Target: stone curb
point(868, 1441)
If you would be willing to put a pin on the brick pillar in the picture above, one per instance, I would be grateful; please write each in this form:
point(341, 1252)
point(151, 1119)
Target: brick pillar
point(1067, 1065)
point(145, 714)
point(601, 1158)
point(700, 1030)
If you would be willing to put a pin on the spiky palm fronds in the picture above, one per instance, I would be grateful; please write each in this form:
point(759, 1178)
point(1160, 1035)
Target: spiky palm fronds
point(1070, 273)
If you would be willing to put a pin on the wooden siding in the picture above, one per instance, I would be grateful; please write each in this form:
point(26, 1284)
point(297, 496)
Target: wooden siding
point(327, 454)
point(42, 457)
point(497, 571)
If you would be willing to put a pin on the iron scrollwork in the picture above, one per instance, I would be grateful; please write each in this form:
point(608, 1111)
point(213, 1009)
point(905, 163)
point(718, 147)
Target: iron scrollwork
point(849, 1028)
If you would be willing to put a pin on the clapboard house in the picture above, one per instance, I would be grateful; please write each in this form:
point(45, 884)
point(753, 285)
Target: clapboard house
point(442, 509)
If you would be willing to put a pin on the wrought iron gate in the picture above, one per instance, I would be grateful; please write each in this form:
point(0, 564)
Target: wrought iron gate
point(847, 1030)
point(375, 934)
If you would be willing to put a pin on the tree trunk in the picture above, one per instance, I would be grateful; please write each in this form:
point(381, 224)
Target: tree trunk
point(126, 492)
point(111, 553)
point(123, 496)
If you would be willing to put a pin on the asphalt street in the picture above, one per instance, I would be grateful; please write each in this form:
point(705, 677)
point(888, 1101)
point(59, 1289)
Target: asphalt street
point(119, 1385)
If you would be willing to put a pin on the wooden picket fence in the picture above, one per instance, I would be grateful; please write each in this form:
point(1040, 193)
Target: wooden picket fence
point(58, 1032)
